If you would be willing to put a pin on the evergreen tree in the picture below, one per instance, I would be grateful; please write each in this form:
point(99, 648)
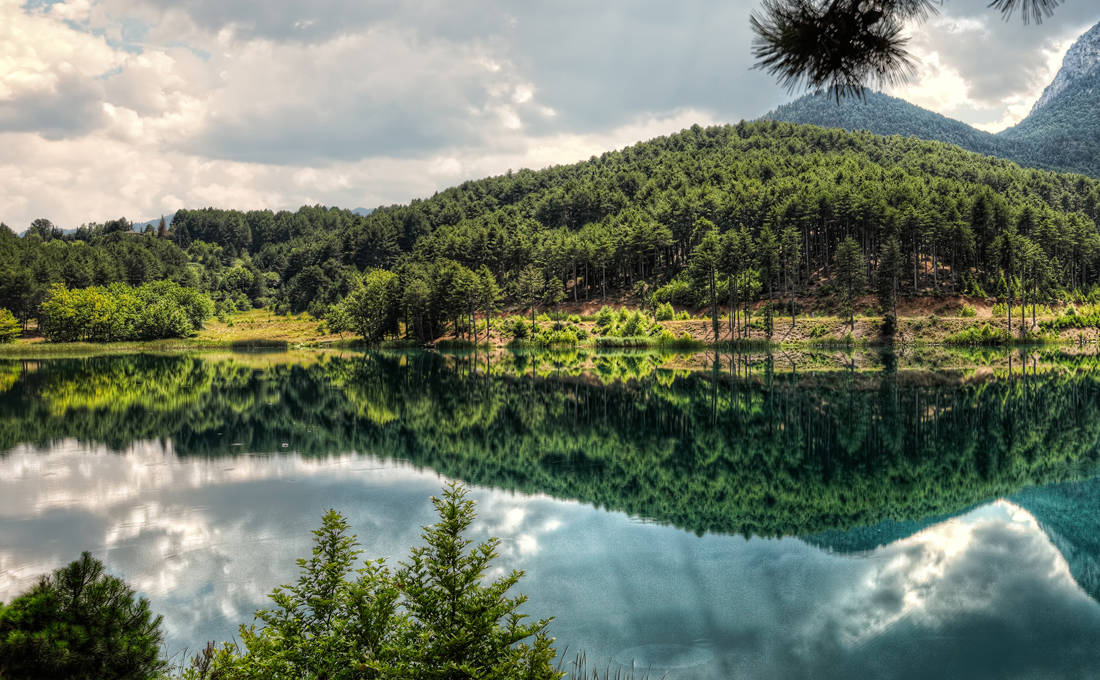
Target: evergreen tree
point(844, 45)
point(437, 617)
point(80, 623)
point(890, 261)
point(489, 296)
point(10, 328)
point(530, 289)
point(705, 260)
point(850, 276)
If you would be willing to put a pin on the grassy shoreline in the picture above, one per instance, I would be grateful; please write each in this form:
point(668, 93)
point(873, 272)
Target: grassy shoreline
point(259, 330)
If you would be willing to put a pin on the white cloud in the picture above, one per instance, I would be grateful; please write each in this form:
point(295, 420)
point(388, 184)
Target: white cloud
point(138, 107)
point(976, 68)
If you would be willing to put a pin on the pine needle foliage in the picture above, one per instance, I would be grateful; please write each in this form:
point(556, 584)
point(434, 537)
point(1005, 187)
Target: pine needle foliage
point(435, 617)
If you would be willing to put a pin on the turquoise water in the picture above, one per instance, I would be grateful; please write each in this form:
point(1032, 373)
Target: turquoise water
point(702, 519)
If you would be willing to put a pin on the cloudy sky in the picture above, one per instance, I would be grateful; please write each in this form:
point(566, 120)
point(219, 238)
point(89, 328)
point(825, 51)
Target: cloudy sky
point(136, 108)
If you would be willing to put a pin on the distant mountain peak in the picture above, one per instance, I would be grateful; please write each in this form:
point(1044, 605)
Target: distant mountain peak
point(1061, 133)
point(1081, 60)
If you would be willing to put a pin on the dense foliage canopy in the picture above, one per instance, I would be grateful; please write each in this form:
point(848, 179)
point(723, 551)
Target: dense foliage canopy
point(1063, 135)
point(119, 312)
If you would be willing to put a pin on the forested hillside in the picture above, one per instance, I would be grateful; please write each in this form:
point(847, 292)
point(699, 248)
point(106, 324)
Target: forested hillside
point(1063, 135)
point(885, 115)
point(765, 205)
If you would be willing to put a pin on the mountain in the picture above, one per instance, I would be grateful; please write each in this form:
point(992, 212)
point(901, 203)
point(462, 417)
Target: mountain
point(1061, 133)
point(886, 115)
point(1079, 63)
point(140, 226)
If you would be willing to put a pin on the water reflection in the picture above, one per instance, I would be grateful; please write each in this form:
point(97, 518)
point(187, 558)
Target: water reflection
point(906, 568)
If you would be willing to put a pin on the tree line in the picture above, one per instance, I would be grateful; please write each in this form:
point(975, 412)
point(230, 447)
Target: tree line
point(730, 214)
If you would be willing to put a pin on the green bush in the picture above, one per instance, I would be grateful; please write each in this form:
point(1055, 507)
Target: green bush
point(968, 312)
point(9, 327)
point(632, 324)
point(517, 327)
point(667, 339)
point(608, 341)
point(162, 309)
point(1072, 318)
point(433, 617)
point(980, 335)
point(665, 312)
point(557, 337)
point(79, 623)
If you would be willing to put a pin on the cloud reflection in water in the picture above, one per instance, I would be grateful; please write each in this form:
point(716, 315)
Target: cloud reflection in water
point(985, 594)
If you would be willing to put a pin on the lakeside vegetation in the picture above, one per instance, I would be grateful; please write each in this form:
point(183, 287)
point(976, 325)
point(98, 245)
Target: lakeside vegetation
point(737, 224)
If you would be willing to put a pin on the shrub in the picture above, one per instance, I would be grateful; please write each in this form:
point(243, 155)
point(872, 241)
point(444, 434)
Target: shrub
point(434, 617)
point(9, 327)
point(605, 317)
point(665, 312)
point(980, 335)
point(1072, 318)
point(632, 324)
point(668, 339)
point(557, 337)
point(624, 341)
point(968, 312)
point(80, 623)
point(517, 327)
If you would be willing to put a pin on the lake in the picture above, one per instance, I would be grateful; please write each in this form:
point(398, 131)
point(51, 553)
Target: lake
point(810, 515)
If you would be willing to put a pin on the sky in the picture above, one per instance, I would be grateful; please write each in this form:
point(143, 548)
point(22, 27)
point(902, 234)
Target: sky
point(136, 108)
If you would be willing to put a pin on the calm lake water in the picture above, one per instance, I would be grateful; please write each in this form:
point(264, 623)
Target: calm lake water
point(796, 516)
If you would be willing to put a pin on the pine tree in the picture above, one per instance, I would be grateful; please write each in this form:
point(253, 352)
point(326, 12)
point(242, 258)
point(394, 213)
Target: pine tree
point(850, 276)
point(80, 623)
point(889, 271)
point(489, 296)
